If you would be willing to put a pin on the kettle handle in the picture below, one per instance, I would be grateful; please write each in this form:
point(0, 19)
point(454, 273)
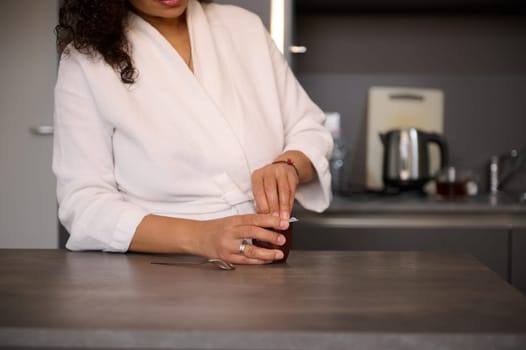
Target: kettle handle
point(383, 137)
point(442, 144)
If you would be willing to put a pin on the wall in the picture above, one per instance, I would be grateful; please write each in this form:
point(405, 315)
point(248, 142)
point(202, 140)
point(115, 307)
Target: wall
point(478, 61)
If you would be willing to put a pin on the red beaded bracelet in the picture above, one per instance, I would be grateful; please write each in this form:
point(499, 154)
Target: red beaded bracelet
point(288, 162)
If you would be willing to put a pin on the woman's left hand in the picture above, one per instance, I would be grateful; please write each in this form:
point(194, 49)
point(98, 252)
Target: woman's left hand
point(274, 187)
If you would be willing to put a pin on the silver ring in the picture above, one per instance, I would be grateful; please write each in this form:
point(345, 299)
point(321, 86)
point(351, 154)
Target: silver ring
point(242, 248)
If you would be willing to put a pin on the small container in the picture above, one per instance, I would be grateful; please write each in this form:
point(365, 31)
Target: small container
point(494, 175)
point(339, 152)
point(452, 183)
point(284, 248)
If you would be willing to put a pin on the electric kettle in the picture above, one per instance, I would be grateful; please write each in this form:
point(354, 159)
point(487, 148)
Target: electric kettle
point(406, 157)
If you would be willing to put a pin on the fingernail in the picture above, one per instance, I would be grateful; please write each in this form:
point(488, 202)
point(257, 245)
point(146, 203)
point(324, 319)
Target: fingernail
point(279, 255)
point(275, 213)
point(284, 215)
point(281, 239)
point(283, 224)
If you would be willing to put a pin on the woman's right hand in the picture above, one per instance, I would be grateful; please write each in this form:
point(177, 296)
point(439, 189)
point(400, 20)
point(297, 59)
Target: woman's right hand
point(222, 238)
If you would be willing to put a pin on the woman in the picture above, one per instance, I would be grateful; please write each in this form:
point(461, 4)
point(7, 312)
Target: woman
point(179, 128)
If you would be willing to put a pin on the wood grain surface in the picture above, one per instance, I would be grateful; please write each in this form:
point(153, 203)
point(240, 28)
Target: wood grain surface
point(50, 296)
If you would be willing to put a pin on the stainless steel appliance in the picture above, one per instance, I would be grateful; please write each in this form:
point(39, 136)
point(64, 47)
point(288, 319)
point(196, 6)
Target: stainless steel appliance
point(406, 157)
point(507, 173)
point(399, 107)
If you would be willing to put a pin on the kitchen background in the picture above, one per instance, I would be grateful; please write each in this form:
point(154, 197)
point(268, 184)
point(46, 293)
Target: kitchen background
point(472, 50)
point(475, 52)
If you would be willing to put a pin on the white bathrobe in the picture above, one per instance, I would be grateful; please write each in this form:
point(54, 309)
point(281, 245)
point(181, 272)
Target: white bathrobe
point(175, 143)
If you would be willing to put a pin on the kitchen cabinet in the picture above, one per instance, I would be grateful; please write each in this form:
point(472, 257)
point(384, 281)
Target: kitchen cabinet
point(490, 246)
point(28, 70)
point(518, 258)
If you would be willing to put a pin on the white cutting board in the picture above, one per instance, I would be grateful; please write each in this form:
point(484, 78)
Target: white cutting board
point(395, 108)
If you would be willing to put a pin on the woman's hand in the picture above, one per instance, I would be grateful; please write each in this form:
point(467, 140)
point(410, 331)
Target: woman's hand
point(274, 188)
point(222, 238)
point(218, 238)
point(274, 185)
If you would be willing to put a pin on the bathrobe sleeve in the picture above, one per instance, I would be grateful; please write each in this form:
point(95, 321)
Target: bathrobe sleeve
point(304, 131)
point(266, 81)
point(91, 207)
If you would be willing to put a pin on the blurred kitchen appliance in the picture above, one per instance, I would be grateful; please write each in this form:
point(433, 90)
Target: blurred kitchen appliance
point(392, 108)
point(505, 172)
point(406, 157)
point(339, 151)
point(452, 182)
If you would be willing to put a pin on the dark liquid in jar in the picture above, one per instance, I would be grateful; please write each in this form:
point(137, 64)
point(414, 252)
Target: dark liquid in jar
point(451, 189)
point(284, 248)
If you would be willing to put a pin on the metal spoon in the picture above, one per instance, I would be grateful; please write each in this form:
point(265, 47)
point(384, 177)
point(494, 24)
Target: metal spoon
point(222, 264)
point(219, 263)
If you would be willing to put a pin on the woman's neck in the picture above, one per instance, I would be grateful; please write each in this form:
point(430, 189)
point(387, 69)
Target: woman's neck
point(170, 28)
point(175, 31)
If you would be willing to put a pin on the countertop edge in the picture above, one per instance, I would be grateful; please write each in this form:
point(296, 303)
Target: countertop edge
point(482, 204)
point(412, 220)
point(345, 212)
point(272, 340)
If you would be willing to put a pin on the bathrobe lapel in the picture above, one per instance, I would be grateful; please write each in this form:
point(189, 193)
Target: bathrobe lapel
point(210, 98)
point(212, 70)
point(212, 66)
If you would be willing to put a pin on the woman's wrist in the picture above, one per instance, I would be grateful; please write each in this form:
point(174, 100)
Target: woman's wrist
point(302, 165)
point(288, 161)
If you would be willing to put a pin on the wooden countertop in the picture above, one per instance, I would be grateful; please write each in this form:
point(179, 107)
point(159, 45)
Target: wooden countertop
point(400, 300)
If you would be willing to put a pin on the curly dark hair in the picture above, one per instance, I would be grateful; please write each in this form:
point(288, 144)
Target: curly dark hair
point(97, 26)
